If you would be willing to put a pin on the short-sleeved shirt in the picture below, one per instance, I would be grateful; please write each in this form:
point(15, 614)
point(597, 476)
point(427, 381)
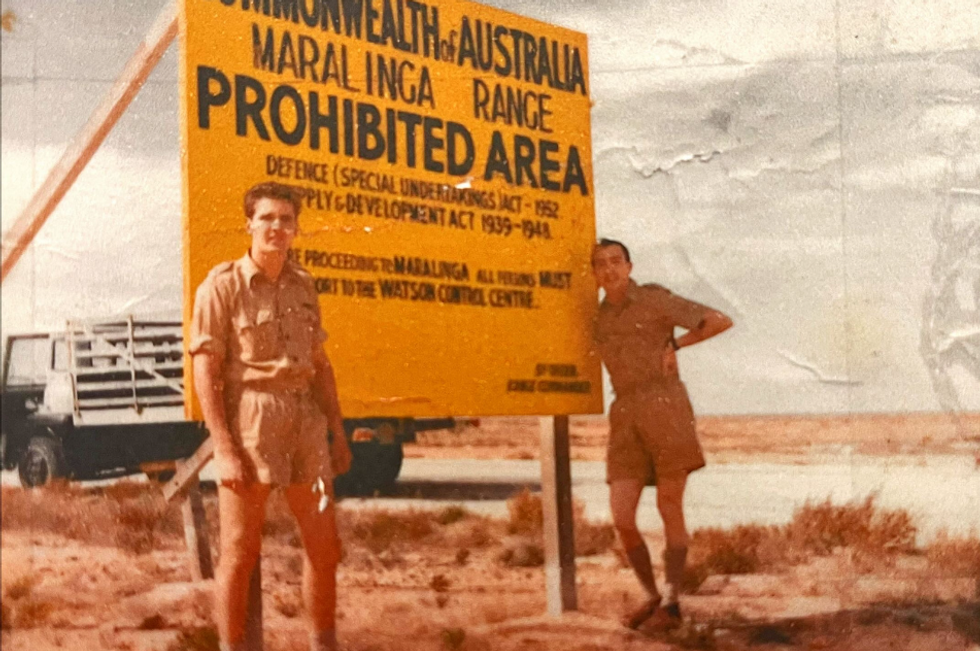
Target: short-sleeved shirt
point(632, 338)
point(265, 331)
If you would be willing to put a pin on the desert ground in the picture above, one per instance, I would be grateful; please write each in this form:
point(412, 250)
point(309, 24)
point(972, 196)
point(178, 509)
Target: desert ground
point(104, 567)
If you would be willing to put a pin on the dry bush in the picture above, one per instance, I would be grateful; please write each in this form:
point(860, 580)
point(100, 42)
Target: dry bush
point(136, 524)
point(20, 587)
point(378, 530)
point(288, 603)
point(452, 514)
point(132, 515)
point(591, 538)
point(198, 639)
point(959, 556)
point(525, 514)
point(32, 613)
point(477, 532)
point(526, 518)
point(453, 638)
point(821, 528)
point(279, 522)
point(522, 553)
point(741, 550)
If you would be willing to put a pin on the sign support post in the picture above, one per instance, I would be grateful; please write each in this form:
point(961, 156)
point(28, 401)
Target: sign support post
point(556, 501)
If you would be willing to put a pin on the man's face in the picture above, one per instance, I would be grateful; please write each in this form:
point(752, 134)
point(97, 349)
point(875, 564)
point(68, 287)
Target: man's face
point(273, 226)
point(612, 271)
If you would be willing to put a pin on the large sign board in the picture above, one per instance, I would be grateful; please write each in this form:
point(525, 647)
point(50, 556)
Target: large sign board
point(442, 150)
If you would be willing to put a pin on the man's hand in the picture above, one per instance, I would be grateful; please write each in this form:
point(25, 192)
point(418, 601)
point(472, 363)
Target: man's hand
point(235, 469)
point(340, 454)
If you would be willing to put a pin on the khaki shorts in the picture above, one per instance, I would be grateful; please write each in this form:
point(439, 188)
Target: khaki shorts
point(284, 433)
point(652, 434)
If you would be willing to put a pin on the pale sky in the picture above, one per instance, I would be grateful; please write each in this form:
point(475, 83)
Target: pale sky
point(809, 168)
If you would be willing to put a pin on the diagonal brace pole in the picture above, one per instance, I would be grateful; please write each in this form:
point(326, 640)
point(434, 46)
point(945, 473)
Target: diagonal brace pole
point(47, 197)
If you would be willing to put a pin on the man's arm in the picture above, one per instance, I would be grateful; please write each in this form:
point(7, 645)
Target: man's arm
point(209, 386)
point(713, 323)
point(325, 393)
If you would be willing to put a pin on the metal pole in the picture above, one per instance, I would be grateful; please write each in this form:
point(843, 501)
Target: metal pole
point(556, 500)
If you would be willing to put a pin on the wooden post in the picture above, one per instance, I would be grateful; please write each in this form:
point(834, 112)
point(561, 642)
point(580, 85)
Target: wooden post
point(87, 141)
point(253, 623)
point(556, 500)
point(196, 535)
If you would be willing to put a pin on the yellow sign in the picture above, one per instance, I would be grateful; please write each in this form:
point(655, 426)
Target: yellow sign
point(442, 150)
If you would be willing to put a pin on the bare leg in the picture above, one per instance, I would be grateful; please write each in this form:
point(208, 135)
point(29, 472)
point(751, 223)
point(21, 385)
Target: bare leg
point(318, 530)
point(241, 512)
point(670, 503)
point(624, 496)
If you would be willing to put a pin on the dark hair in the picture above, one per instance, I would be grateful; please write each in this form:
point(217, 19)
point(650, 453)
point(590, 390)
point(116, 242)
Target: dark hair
point(270, 190)
point(604, 242)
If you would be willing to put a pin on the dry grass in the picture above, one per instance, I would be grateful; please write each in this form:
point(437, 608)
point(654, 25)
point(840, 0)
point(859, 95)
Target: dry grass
point(20, 587)
point(379, 531)
point(131, 515)
point(452, 514)
point(526, 518)
point(954, 556)
point(821, 528)
point(815, 530)
point(199, 639)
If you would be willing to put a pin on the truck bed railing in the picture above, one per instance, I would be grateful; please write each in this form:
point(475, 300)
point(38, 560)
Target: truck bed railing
point(126, 364)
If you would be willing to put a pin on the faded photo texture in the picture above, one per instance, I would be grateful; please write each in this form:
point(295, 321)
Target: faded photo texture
point(811, 169)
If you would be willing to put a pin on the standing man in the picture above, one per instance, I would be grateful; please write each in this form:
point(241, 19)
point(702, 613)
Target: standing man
point(652, 440)
point(268, 395)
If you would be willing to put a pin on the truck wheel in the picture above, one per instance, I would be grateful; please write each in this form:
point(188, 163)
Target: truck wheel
point(374, 468)
point(43, 461)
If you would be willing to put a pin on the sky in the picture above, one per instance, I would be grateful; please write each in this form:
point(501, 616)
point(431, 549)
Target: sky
point(811, 169)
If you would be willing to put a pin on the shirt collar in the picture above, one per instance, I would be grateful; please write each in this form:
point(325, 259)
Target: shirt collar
point(632, 292)
point(249, 269)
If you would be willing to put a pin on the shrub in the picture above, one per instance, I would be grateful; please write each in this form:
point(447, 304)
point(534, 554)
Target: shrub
point(20, 587)
point(199, 639)
point(377, 530)
point(453, 638)
point(822, 528)
point(954, 556)
point(451, 514)
point(525, 514)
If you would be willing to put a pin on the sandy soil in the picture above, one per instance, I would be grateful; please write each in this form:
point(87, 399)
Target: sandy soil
point(434, 584)
point(729, 438)
point(449, 589)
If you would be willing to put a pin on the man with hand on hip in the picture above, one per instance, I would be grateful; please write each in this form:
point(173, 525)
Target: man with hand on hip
point(268, 395)
point(652, 439)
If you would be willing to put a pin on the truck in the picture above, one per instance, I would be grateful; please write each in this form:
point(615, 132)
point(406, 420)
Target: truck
point(105, 398)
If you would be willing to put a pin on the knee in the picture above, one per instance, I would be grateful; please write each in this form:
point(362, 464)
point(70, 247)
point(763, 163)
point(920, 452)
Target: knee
point(629, 535)
point(324, 556)
point(239, 560)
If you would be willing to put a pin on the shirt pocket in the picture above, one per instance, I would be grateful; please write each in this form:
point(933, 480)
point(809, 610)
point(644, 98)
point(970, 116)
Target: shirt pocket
point(303, 329)
point(257, 335)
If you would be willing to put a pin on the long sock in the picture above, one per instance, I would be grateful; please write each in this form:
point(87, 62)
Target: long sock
point(675, 559)
point(323, 640)
point(639, 558)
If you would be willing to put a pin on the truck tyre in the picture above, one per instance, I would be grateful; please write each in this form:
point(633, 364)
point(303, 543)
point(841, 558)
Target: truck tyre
point(374, 468)
point(43, 461)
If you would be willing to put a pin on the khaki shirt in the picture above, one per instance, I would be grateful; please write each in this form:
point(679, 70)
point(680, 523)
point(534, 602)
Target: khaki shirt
point(632, 338)
point(266, 332)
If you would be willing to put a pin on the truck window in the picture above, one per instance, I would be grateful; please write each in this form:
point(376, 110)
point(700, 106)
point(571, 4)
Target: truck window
point(28, 362)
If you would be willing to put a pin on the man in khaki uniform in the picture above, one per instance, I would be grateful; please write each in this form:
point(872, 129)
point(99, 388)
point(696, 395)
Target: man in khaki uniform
point(268, 395)
point(652, 440)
